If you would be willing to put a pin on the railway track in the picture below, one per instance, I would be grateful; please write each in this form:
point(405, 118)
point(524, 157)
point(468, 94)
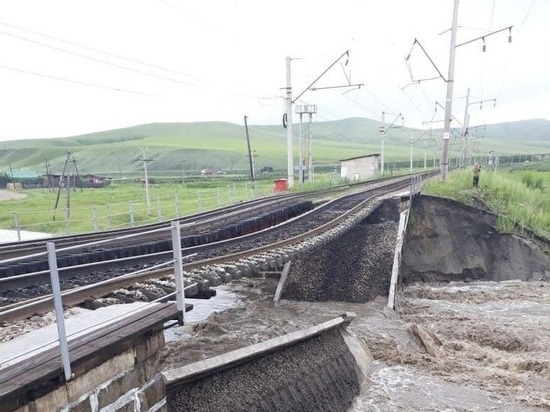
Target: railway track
point(206, 265)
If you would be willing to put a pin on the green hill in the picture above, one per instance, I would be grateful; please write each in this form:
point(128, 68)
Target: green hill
point(191, 147)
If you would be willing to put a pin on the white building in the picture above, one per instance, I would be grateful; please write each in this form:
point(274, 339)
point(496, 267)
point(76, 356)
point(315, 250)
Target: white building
point(359, 168)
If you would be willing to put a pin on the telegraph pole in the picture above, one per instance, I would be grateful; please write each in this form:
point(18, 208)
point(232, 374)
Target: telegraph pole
point(288, 117)
point(250, 157)
point(382, 133)
point(465, 130)
point(309, 148)
point(383, 130)
point(425, 153)
point(411, 153)
point(300, 152)
point(464, 158)
point(308, 109)
point(449, 97)
point(450, 84)
point(145, 161)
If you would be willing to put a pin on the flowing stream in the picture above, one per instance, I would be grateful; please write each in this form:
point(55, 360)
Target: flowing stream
point(491, 341)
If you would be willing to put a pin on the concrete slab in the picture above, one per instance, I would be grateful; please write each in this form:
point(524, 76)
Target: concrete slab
point(81, 322)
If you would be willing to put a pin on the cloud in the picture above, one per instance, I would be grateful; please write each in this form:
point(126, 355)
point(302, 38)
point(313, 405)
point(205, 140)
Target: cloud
point(77, 67)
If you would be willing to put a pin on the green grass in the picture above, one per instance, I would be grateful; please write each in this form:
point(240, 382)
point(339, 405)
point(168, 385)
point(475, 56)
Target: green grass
point(194, 146)
point(112, 207)
point(123, 204)
point(519, 197)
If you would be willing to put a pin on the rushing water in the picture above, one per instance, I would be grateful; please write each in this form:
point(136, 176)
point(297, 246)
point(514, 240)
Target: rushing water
point(493, 352)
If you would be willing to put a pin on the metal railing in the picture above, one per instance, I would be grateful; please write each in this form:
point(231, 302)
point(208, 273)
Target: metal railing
point(51, 252)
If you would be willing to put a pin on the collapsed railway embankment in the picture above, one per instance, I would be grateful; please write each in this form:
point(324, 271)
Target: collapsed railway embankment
point(316, 374)
point(450, 241)
point(455, 242)
point(353, 368)
point(354, 266)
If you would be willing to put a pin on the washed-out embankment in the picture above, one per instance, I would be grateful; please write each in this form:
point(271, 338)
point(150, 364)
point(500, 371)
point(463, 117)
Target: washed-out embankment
point(325, 369)
point(321, 371)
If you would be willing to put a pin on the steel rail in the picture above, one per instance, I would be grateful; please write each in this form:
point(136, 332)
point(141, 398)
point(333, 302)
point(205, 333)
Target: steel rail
point(201, 221)
point(77, 295)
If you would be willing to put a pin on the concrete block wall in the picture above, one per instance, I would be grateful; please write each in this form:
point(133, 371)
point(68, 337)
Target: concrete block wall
point(316, 374)
point(128, 381)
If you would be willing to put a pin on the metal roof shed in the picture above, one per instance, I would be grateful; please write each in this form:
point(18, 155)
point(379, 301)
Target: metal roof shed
point(360, 167)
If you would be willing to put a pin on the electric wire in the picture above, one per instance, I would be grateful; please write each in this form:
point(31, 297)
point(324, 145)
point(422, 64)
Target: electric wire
point(96, 59)
point(48, 76)
point(327, 119)
point(492, 15)
point(259, 95)
point(188, 15)
point(360, 105)
point(508, 59)
point(100, 51)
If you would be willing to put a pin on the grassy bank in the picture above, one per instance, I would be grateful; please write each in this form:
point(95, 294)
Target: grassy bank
point(123, 205)
point(520, 197)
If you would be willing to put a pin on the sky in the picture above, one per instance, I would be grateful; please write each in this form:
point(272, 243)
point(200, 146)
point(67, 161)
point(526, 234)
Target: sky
point(72, 67)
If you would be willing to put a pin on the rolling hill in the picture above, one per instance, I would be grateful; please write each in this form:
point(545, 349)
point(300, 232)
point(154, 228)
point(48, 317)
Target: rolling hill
point(195, 146)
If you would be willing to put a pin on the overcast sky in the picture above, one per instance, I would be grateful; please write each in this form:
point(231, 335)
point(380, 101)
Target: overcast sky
point(71, 67)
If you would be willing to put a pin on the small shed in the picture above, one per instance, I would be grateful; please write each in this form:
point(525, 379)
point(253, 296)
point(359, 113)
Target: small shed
point(96, 181)
point(280, 185)
point(359, 168)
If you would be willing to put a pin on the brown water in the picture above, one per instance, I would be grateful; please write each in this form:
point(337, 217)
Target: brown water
point(491, 342)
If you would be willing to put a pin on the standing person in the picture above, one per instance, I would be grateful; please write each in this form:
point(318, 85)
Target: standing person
point(477, 170)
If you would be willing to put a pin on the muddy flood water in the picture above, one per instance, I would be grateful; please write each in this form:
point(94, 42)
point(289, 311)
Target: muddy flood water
point(488, 343)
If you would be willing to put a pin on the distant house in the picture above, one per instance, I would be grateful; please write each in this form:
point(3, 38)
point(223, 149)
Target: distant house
point(22, 179)
point(52, 180)
point(23, 175)
point(210, 171)
point(359, 168)
point(95, 181)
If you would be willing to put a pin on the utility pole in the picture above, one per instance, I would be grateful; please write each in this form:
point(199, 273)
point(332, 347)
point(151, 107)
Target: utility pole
point(465, 130)
point(382, 133)
point(65, 179)
point(183, 170)
point(288, 125)
point(450, 84)
point(464, 155)
point(251, 158)
point(287, 119)
point(309, 148)
point(449, 97)
point(383, 130)
point(300, 151)
point(309, 109)
point(425, 153)
point(145, 161)
point(411, 153)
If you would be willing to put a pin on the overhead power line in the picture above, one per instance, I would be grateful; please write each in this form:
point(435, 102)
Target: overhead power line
point(96, 59)
point(101, 51)
point(47, 76)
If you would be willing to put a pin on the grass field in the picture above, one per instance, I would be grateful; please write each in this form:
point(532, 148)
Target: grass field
point(120, 205)
point(520, 197)
point(123, 205)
